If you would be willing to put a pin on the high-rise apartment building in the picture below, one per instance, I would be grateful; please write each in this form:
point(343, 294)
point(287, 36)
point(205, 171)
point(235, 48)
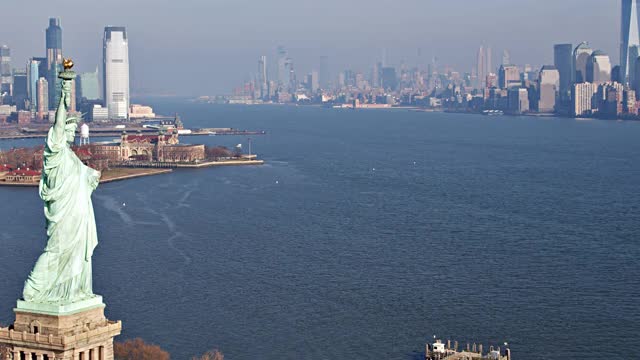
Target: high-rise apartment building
point(6, 78)
point(629, 36)
point(581, 56)
point(116, 72)
point(548, 88)
point(563, 61)
point(599, 68)
point(54, 60)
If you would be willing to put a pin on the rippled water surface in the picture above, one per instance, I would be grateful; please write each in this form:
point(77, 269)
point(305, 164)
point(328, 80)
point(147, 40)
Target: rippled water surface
point(366, 233)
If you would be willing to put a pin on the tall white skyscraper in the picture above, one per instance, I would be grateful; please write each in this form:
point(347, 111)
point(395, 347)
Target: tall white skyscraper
point(629, 36)
point(116, 72)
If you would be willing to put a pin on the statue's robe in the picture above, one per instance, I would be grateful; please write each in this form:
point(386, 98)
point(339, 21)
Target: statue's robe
point(62, 274)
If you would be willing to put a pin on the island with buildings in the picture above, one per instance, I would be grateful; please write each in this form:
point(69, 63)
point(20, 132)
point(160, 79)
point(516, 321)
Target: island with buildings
point(132, 155)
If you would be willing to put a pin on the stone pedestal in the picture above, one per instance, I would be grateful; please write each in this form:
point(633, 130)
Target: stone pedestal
point(50, 332)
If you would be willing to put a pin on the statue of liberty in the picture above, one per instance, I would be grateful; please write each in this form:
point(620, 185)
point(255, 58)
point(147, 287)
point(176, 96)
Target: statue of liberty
point(62, 274)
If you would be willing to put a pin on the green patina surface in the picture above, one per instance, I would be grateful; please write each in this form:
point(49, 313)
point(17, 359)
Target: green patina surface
point(62, 274)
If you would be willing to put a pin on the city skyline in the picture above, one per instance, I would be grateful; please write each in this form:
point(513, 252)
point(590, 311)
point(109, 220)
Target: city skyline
point(413, 36)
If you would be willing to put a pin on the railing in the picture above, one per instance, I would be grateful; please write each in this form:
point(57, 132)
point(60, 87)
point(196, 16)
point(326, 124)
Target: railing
point(10, 335)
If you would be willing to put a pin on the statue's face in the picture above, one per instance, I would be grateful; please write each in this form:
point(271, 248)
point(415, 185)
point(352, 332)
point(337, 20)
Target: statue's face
point(70, 132)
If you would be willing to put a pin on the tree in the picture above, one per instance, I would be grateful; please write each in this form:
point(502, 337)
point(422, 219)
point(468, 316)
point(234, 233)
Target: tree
point(210, 355)
point(4, 351)
point(137, 349)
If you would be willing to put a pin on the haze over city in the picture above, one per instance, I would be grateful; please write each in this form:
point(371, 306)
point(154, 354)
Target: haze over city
point(211, 46)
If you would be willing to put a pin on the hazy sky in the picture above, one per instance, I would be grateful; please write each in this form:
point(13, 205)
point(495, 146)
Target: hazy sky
point(196, 47)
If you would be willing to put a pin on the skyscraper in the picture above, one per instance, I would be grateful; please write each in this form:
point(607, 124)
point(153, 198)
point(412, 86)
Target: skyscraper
point(488, 62)
point(282, 74)
point(629, 36)
point(33, 75)
point(312, 82)
point(389, 78)
point(563, 61)
point(43, 99)
point(518, 100)
point(509, 76)
point(5, 70)
point(480, 68)
point(548, 88)
point(116, 71)
point(292, 82)
point(20, 89)
point(634, 53)
point(636, 84)
point(581, 56)
point(263, 79)
point(375, 75)
point(54, 60)
point(599, 68)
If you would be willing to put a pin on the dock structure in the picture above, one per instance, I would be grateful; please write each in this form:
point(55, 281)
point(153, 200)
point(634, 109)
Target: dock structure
point(441, 351)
